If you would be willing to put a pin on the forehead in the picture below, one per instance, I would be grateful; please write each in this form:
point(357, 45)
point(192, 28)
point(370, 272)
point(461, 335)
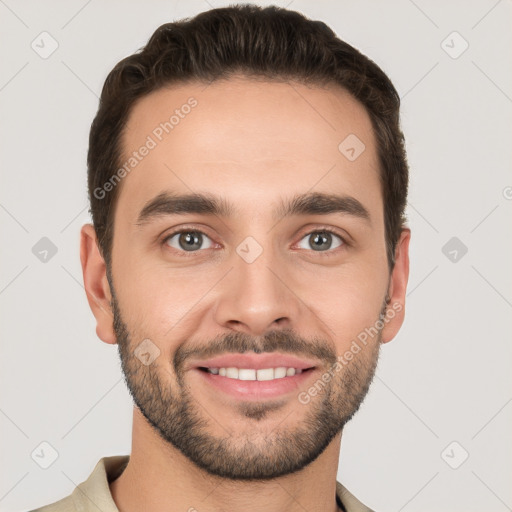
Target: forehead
point(252, 140)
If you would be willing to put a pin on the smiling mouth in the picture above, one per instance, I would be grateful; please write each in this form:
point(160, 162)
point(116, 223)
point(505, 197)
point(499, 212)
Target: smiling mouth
point(260, 374)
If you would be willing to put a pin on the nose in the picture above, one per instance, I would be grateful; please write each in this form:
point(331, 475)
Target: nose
point(258, 296)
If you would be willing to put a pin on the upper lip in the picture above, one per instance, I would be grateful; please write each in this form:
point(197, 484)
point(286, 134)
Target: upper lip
point(256, 361)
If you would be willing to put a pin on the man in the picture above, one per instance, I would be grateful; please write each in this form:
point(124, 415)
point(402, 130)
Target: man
point(248, 254)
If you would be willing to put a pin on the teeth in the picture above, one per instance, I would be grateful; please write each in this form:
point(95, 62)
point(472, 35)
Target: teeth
point(232, 373)
point(246, 374)
point(280, 372)
point(252, 374)
point(265, 374)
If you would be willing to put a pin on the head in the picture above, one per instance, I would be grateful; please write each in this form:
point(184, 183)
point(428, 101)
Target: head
point(247, 179)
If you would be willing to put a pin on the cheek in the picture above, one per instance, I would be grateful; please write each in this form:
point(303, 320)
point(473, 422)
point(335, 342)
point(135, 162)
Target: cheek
point(160, 301)
point(350, 302)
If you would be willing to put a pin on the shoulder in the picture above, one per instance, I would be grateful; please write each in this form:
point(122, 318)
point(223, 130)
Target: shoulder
point(94, 492)
point(350, 502)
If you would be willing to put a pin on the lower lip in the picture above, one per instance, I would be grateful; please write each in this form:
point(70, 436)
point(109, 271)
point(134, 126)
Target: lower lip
point(255, 389)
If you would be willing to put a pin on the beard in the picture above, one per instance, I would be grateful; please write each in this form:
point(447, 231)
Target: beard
point(180, 420)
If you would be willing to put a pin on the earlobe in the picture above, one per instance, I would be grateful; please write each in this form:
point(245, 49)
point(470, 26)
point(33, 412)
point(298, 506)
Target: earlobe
point(395, 312)
point(96, 284)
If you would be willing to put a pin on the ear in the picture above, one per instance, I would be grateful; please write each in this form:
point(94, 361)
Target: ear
point(96, 284)
point(397, 288)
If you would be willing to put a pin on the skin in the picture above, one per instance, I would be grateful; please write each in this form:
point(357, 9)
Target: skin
point(253, 143)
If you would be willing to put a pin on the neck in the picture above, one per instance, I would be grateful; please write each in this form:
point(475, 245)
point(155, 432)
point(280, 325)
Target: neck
point(160, 478)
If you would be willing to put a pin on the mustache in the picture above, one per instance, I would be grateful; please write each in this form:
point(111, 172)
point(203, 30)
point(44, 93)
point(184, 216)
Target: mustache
point(285, 340)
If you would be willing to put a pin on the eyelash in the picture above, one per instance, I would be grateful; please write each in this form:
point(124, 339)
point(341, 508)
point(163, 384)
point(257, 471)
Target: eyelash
point(328, 253)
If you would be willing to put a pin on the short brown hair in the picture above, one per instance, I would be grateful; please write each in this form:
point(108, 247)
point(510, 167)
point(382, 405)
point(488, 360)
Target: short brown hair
point(270, 42)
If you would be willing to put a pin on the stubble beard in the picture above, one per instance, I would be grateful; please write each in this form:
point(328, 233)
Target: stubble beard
point(178, 418)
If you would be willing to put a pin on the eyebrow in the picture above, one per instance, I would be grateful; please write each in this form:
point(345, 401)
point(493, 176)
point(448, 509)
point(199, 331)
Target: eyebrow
point(313, 203)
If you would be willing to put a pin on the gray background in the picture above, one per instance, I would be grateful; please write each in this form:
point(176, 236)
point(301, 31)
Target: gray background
point(446, 377)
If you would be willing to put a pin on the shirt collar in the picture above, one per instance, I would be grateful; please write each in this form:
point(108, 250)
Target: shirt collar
point(94, 493)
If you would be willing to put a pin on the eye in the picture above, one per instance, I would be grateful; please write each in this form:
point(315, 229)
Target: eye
point(322, 240)
point(188, 240)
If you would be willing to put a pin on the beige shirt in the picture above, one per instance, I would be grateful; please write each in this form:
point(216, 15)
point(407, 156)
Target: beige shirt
point(94, 494)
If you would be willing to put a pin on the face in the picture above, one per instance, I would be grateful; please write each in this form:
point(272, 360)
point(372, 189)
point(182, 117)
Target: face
point(249, 314)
